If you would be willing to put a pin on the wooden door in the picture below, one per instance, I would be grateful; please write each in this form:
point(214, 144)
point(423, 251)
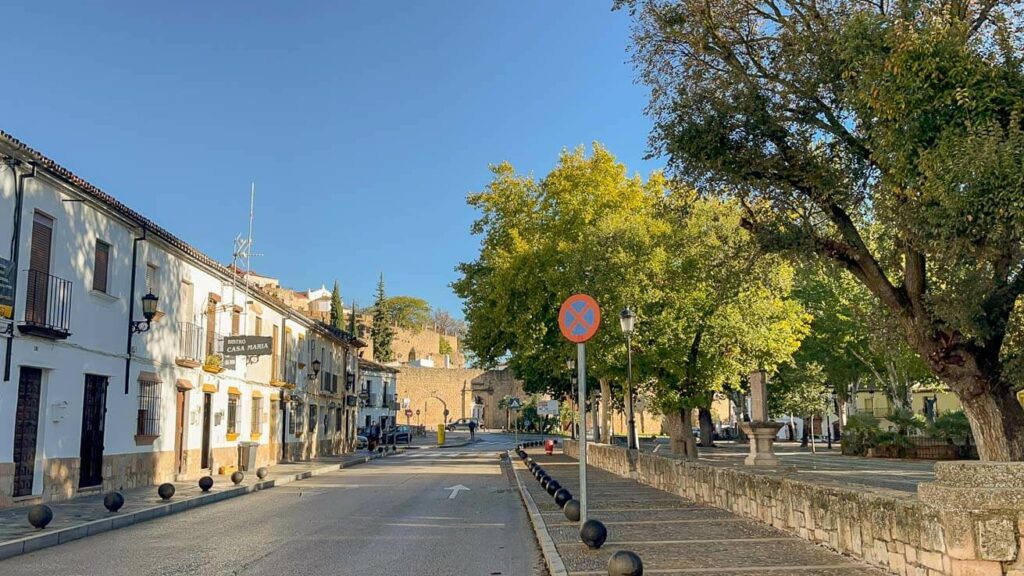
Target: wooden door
point(25, 433)
point(179, 431)
point(275, 431)
point(94, 411)
point(207, 416)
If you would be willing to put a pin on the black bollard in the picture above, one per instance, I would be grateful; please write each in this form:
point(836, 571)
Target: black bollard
point(262, 472)
point(544, 481)
point(562, 496)
point(40, 515)
point(237, 477)
point(593, 534)
point(113, 501)
point(572, 510)
point(625, 563)
point(553, 487)
point(166, 490)
point(205, 483)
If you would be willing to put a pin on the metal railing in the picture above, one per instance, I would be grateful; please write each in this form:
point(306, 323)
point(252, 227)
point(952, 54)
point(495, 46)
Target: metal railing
point(47, 302)
point(191, 341)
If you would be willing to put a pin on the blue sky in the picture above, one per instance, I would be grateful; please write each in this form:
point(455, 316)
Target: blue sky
point(363, 124)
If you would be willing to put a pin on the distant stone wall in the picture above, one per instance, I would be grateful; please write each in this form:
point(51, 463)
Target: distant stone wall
point(460, 388)
point(968, 523)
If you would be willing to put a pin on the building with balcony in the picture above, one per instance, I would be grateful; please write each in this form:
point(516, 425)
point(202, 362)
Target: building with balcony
point(378, 395)
point(101, 396)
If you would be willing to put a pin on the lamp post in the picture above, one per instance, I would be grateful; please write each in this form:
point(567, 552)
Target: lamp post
point(627, 319)
point(571, 365)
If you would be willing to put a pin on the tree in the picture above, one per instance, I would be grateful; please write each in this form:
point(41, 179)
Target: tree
point(382, 332)
point(709, 306)
point(443, 347)
point(337, 313)
point(825, 120)
point(408, 312)
point(445, 323)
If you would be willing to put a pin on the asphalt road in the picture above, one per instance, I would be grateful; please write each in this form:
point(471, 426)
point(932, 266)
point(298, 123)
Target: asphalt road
point(390, 516)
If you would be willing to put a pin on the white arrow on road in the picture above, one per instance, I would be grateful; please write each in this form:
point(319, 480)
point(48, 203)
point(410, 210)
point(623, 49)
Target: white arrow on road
point(455, 491)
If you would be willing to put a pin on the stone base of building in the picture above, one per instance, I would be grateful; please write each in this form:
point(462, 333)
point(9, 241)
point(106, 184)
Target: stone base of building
point(123, 471)
point(970, 522)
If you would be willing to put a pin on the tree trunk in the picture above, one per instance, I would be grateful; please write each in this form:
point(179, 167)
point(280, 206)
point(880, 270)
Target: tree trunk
point(707, 427)
point(606, 410)
point(997, 421)
point(595, 424)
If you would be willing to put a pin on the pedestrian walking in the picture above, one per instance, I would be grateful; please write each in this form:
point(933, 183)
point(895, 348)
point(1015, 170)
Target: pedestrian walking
point(472, 429)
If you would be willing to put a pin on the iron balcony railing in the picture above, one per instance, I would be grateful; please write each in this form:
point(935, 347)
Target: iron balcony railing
point(47, 305)
point(191, 340)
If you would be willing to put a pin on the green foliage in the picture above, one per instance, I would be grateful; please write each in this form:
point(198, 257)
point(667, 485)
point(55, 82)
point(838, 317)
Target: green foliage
point(862, 431)
point(952, 426)
point(906, 421)
point(799, 390)
point(337, 314)
point(382, 332)
point(443, 346)
point(710, 304)
point(885, 137)
point(408, 312)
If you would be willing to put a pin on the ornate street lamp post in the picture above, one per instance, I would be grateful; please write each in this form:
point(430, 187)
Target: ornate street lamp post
point(627, 319)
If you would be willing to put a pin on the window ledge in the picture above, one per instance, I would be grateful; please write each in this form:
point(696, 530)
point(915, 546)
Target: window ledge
point(254, 436)
point(231, 436)
point(103, 295)
point(145, 440)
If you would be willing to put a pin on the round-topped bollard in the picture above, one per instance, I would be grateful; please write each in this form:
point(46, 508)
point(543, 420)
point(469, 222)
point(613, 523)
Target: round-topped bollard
point(544, 481)
point(553, 486)
point(205, 483)
point(237, 477)
point(593, 533)
point(572, 510)
point(113, 501)
point(262, 472)
point(40, 515)
point(625, 563)
point(166, 490)
point(562, 496)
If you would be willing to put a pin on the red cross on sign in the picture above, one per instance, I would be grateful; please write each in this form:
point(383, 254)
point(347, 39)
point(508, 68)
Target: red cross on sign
point(579, 318)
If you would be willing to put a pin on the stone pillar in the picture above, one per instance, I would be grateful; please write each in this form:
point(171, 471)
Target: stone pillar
point(760, 429)
point(980, 506)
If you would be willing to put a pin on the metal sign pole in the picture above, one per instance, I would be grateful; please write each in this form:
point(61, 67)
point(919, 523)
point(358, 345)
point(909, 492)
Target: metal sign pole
point(581, 366)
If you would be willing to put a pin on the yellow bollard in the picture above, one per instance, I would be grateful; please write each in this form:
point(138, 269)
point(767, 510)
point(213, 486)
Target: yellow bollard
point(440, 434)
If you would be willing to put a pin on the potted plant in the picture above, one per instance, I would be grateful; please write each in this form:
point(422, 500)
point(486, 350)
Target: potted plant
point(212, 364)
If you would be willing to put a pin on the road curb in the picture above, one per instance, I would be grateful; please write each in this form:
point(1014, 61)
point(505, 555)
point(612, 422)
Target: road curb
point(547, 546)
point(46, 539)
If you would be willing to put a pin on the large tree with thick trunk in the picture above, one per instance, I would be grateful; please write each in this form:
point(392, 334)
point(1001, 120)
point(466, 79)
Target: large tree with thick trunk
point(829, 117)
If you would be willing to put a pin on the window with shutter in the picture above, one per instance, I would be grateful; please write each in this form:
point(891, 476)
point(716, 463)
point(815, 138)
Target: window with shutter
point(187, 307)
point(100, 266)
point(151, 270)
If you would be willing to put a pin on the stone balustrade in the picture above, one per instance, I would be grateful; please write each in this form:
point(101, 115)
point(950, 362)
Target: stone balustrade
point(969, 522)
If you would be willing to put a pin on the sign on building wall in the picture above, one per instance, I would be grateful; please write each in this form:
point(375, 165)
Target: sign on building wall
point(248, 345)
point(6, 289)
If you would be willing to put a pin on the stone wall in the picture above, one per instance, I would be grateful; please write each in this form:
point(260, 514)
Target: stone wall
point(459, 388)
point(968, 523)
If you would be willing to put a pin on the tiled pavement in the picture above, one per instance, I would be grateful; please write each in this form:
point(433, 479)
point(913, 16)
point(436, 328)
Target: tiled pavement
point(672, 535)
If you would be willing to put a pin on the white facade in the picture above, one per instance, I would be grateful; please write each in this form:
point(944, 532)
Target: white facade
point(175, 407)
point(378, 394)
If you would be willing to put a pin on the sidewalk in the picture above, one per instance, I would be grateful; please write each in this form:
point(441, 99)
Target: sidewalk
point(671, 535)
point(80, 517)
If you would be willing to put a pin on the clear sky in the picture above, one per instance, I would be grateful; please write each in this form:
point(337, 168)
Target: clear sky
point(363, 124)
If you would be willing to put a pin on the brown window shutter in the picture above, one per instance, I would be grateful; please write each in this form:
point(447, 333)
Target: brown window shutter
point(236, 322)
point(99, 270)
point(42, 234)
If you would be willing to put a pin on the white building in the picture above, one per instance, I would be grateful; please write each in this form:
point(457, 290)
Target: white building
point(379, 394)
point(88, 405)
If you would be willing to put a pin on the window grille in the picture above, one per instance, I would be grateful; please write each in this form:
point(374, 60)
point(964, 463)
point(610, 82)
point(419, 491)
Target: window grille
point(232, 414)
point(148, 423)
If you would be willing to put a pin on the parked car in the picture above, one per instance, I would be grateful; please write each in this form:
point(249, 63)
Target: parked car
point(360, 442)
point(462, 423)
point(400, 434)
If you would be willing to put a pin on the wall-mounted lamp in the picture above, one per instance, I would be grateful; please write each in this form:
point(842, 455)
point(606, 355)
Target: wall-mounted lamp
point(149, 302)
point(315, 365)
